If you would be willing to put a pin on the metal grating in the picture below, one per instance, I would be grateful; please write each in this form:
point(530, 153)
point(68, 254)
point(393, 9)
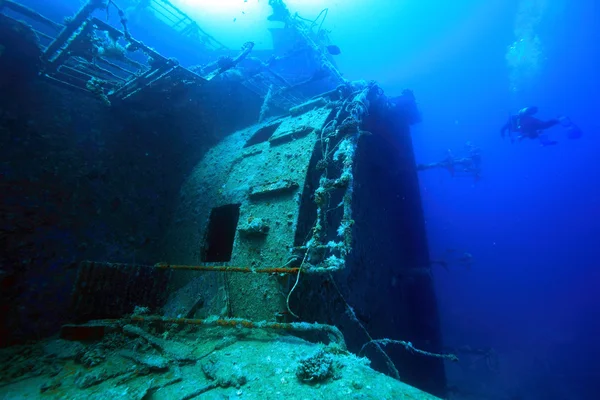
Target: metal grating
point(105, 290)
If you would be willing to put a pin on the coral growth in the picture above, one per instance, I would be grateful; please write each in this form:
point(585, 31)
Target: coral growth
point(318, 367)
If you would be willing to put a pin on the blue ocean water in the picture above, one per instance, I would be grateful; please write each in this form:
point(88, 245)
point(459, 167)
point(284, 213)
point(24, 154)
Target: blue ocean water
point(522, 242)
point(532, 223)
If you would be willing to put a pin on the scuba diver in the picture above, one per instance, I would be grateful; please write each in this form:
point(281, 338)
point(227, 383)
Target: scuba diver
point(529, 127)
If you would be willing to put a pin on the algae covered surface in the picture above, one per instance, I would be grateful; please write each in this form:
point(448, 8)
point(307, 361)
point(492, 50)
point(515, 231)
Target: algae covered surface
point(142, 362)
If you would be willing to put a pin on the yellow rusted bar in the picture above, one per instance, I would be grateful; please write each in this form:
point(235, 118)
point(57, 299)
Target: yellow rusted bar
point(223, 268)
point(215, 268)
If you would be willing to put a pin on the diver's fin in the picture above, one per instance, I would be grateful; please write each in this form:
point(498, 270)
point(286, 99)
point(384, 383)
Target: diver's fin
point(564, 121)
point(573, 131)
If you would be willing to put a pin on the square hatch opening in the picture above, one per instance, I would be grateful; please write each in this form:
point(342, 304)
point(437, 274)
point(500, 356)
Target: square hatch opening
point(263, 134)
point(221, 233)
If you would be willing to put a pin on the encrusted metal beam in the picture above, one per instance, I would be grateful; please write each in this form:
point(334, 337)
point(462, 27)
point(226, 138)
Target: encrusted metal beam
point(74, 24)
point(334, 333)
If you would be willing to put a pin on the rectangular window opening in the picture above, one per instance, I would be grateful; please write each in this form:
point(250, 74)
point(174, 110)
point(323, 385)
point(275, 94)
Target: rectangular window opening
point(221, 233)
point(263, 134)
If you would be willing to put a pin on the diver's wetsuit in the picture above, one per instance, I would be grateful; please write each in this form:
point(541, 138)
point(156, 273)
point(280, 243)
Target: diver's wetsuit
point(528, 126)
